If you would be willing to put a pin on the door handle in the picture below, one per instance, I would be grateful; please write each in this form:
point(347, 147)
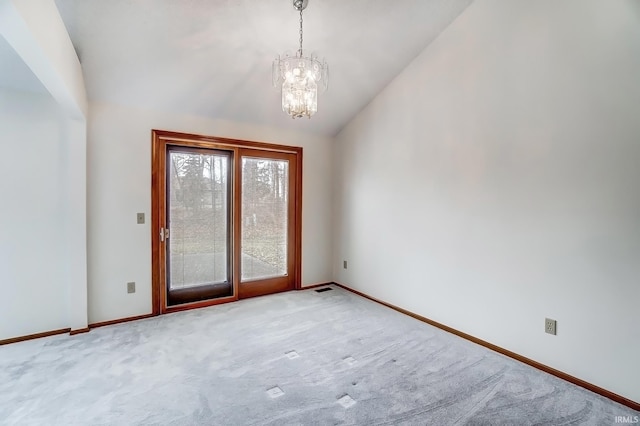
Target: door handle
point(164, 234)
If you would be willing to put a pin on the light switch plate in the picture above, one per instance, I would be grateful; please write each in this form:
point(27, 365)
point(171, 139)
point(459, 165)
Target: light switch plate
point(140, 217)
point(131, 287)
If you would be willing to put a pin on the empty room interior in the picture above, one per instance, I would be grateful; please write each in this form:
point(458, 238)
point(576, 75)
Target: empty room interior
point(320, 212)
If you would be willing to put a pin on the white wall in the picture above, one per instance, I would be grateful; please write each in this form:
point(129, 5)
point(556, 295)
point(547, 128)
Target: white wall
point(494, 183)
point(42, 125)
point(34, 263)
point(75, 225)
point(36, 32)
point(119, 186)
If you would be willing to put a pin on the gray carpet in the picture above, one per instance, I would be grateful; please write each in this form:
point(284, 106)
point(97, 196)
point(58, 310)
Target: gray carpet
point(293, 358)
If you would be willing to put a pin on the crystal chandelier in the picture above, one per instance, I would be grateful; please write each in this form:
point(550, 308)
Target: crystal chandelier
point(300, 77)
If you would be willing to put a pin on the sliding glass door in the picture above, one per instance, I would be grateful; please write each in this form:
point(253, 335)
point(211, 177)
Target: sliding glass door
point(266, 210)
point(198, 234)
point(226, 219)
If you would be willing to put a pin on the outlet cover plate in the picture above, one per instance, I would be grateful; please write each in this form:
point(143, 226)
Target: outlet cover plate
point(550, 326)
point(131, 287)
point(344, 264)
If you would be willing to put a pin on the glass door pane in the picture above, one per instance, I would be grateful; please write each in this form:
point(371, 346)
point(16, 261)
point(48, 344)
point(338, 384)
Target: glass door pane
point(265, 224)
point(198, 214)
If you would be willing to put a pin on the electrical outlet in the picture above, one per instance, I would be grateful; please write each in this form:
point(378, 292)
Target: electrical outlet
point(550, 326)
point(344, 264)
point(140, 218)
point(131, 287)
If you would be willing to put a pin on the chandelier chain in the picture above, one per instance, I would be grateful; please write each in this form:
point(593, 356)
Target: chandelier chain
point(300, 50)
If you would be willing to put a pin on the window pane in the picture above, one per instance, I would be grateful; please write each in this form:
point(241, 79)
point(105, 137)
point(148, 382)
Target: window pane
point(198, 219)
point(265, 194)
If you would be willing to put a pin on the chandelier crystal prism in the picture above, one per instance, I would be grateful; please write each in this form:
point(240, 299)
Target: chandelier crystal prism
point(300, 77)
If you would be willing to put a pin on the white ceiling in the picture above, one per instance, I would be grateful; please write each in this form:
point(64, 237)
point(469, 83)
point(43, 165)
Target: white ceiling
point(213, 57)
point(14, 73)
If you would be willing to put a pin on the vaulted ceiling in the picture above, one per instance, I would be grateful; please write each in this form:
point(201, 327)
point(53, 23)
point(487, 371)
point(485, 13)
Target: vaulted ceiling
point(213, 57)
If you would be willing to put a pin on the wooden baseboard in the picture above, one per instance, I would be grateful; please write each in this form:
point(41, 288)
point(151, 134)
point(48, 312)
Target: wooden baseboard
point(121, 320)
point(79, 331)
point(315, 286)
point(535, 364)
point(34, 336)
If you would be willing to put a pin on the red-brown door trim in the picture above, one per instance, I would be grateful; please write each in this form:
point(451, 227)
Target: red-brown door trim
point(160, 140)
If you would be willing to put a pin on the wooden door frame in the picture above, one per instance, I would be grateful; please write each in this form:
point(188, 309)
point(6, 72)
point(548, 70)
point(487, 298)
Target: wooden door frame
point(160, 139)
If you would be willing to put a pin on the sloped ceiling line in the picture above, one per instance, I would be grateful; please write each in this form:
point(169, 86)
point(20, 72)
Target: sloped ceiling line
point(213, 58)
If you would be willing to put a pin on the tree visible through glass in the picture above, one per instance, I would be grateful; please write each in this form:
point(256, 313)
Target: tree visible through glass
point(198, 219)
point(265, 195)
